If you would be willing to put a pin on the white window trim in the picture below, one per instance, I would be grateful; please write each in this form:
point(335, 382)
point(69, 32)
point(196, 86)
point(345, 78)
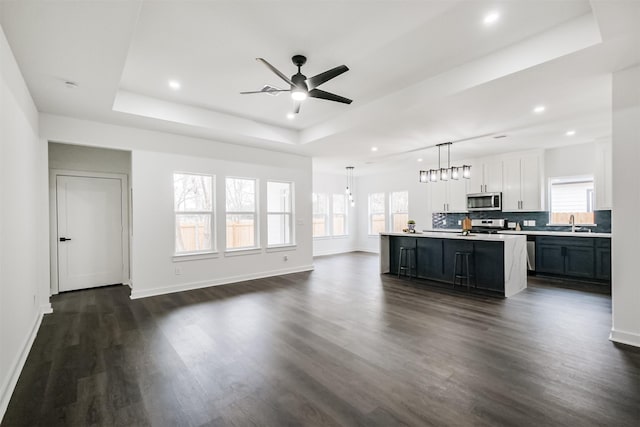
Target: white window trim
point(212, 219)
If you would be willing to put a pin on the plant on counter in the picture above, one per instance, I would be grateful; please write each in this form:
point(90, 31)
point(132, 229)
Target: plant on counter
point(411, 225)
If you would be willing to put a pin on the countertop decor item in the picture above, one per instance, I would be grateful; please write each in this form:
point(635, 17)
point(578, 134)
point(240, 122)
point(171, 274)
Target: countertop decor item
point(411, 225)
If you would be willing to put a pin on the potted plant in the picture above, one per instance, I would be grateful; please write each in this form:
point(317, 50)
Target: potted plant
point(411, 225)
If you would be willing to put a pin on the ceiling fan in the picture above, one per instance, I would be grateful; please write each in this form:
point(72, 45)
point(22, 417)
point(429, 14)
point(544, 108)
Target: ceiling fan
point(302, 87)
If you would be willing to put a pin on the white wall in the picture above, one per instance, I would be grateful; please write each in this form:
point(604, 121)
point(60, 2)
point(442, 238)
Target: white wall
point(88, 159)
point(593, 158)
point(625, 287)
point(23, 224)
point(154, 158)
point(335, 184)
point(401, 180)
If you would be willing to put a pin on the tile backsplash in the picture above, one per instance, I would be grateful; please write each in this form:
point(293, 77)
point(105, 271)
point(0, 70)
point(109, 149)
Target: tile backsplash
point(450, 220)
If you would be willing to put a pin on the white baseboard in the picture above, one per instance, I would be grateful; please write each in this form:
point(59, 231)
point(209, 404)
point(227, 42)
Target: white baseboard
point(368, 250)
point(222, 281)
point(46, 308)
point(622, 337)
point(16, 368)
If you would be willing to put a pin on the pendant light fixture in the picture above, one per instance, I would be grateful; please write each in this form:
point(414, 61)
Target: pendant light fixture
point(447, 173)
point(349, 189)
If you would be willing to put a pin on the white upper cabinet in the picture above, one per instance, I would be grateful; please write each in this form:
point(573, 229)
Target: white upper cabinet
point(522, 183)
point(486, 176)
point(449, 196)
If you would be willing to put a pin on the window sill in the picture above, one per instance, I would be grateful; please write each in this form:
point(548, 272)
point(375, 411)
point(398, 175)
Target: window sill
point(321, 237)
point(242, 252)
point(342, 236)
point(282, 248)
point(195, 256)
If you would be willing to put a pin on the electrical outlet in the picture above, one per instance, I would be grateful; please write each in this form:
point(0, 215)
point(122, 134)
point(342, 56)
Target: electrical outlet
point(444, 222)
point(532, 223)
point(511, 225)
point(459, 222)
point(178, 270)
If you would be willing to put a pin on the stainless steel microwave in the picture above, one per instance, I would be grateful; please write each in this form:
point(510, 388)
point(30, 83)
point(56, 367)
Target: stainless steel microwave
point(484, 202)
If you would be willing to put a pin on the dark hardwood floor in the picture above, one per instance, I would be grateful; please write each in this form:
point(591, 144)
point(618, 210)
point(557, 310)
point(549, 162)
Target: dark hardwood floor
point(341, 345)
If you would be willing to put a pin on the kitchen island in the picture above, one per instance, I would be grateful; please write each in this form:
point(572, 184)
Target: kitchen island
point(500, 259)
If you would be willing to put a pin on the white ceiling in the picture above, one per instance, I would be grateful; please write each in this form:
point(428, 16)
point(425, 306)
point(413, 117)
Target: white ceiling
point(421, 72)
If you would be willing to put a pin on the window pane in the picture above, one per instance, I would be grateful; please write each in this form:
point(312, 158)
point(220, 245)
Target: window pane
point(320, 203)
point(192, 192)
point(278, 196)
point(241, 195)
point(399, 221)
point(339, 203)
point(319, 225)
point(278, 227)
point(339, 228)
point(572, 197)
point(377, 223)
point(193, 233)
point(400, 201)
point(376, 203)
point(240, 231)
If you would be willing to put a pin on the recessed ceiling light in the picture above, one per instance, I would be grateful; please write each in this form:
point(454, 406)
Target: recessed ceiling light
point(539, 109)
point(420, 159)
point(491, 18)
point(374, 148)
point(174, 84)
point(570, 132)
point(291, 116)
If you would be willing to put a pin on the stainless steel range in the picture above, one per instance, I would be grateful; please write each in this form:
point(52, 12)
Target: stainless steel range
point(488, 225)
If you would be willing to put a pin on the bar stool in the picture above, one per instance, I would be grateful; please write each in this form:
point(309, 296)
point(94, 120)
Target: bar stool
point(462, 258)
point(410, 263)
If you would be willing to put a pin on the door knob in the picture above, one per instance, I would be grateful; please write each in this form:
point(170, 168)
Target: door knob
point(64, 239)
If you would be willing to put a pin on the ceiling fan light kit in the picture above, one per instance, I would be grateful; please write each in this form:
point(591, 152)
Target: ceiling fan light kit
point(302, 87)
point(445, 174)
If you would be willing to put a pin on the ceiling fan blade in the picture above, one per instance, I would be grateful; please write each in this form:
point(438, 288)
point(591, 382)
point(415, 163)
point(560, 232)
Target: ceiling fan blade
point(321, 94)
point(265, 91)
point(275, 70)
point(296, 106)
point(315, 81)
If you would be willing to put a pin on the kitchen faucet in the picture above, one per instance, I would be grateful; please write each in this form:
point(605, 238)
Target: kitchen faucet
point(572, 221)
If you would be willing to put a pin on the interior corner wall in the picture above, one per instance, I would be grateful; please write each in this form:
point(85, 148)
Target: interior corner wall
point(154, 158)
point(24, 265)
point(625, 290)
point(405, 179)
point(334, 184)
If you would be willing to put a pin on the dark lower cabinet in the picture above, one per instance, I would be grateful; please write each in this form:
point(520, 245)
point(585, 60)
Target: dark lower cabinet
point(577, 257)
point(549, 258)
point(435, 259)
point(603, 259)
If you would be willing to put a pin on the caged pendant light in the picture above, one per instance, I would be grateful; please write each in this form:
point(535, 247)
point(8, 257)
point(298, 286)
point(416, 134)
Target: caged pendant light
point(445, 174)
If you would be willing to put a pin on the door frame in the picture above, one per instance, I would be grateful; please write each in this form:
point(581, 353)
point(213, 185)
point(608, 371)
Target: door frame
point(53, 220)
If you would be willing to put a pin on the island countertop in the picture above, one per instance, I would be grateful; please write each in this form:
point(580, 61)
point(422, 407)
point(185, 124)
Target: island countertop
point(450, 235)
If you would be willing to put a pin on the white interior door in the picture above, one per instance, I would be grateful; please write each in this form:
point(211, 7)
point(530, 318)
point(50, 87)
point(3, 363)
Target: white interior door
point(90, 229)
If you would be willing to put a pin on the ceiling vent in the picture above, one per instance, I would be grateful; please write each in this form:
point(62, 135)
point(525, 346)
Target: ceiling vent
point(499, 136)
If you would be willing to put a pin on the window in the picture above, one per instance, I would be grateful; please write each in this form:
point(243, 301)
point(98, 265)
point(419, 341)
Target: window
point(320, 215)
point(571, 196)
point(279, 213)
point(399, 202)
point(241, 213)
point(376, 213)
point(193, 206)
point(339, 215)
